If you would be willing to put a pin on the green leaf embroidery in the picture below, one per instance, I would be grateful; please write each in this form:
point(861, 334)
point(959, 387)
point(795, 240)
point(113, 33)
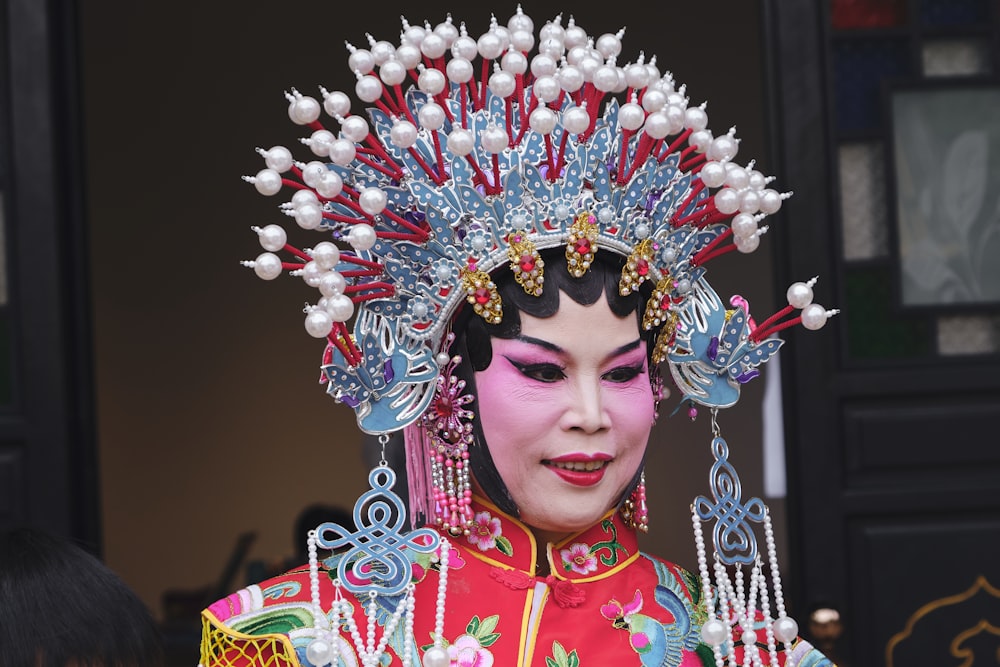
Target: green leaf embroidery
point(504, 546)
point(562, 659)
point(488, 624)
point(473, 626)
point(613, 546)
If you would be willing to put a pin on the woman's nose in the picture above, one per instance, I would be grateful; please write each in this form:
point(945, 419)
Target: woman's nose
point(587, 409)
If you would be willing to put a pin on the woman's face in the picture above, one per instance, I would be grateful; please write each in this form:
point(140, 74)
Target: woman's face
point(566, 408)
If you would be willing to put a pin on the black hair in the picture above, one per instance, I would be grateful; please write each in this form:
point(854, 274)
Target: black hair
point(61, 605)
point(473, 337)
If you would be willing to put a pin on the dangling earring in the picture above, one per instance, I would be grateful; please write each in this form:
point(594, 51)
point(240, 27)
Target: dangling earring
point(634, 509)
point(660, 391)
point(448, 428)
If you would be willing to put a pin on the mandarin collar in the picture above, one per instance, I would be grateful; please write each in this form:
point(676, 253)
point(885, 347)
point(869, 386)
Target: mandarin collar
point(596, 552)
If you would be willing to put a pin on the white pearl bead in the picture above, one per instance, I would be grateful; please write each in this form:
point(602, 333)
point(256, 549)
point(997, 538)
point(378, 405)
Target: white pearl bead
point(653, 100)
point(522, 40)
point(339, 308)
point(675, 114)
point(570, 78)
point(392, 73)
point(433, 45)
point(311, 273)
point(737, 177)
point(636, 75)
point(460, 141)
point(786, 629)
point(757, 180)
point(683, 286)
point(361, 236)
point(312, 172)
point(748, 637)
point(408, 55)
point(770, 201)
point(304, 197)
point(490, 45)
point(459, 70)
point(609, 45)
point(444, 272)
point(588, 65)
point(657, 125)
point(403, 134)
point(325, 254)
point(748, 244)
point(631, 116)
point(494, 139)
point(727, 201)
point(442, 359)
point(361, 60)
point(338, 103)
point(713, 174)
point(319, 142)
point(749, 202)
point(605, 78)
point(695, 118)
point(576, 120)
point(318, 653)
point(303, 110)
point(330, 184)
point(813, 317)
point(502, 84)
point(799, 295)
point(272, 237)
point(308, 216)
point(464, 47)
point(542, 120)
point(436, 657)
point(267, 182)
point(278, 158)
point(355, 128)
point(431, 81)
point(700, 139)
point(513, 62)
point(546, 89)
point(382, 51)
point(542, 65)
point(368, 88)
point(318, 323)
point(713, 632)
point(743, 225)
point(431, 116)
point(267, 266)
point(342, 152)
point(332, 284)
point(723, 148)
point(552, 48)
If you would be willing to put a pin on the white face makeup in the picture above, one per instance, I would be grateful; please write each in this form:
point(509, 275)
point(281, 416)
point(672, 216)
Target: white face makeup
point(566, 408)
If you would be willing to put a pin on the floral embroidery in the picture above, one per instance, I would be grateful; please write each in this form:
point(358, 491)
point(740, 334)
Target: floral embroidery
point(560, 658)
point(579, 558)
point(487, 533)
point(613, 546)
point(619, 613)
point(470, 649)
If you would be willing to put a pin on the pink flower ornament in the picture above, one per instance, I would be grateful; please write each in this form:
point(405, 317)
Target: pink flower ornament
point(579, 559)
point(467, 652)
point(485, 531)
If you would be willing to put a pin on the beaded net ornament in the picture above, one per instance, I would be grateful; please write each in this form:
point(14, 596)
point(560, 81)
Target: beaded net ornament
point(468, 156)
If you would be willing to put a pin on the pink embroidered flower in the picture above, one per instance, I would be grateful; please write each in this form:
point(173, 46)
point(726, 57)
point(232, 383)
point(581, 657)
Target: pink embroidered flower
point(579, 559)
point(485, 531)
point(467, 652)
point(614, 609)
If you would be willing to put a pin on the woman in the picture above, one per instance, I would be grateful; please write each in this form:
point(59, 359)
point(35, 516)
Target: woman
point(519, 268)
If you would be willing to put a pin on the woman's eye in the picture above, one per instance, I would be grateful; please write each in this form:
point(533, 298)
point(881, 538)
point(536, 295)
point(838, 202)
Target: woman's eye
point(540, 372)
point(623, 374)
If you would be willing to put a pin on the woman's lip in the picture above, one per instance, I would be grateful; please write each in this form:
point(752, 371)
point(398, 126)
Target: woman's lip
point(578, 457)
point(579, 477)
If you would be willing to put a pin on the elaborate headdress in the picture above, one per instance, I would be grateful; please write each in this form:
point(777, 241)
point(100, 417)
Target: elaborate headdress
point(445, 177)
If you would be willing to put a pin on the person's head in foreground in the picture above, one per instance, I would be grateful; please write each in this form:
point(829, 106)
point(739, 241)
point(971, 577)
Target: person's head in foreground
point(62, 607)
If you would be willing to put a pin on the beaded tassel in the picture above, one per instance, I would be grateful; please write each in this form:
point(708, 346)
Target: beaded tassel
point(735, 607)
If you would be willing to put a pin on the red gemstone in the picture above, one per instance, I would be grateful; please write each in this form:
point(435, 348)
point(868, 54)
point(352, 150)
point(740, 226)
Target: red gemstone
point(665, 302)
point(527, 263)
point(642, 267)
point(482, 296)
point(582, 246)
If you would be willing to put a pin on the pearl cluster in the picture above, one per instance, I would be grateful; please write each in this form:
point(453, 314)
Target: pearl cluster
point(731, 607)
point(326, 647)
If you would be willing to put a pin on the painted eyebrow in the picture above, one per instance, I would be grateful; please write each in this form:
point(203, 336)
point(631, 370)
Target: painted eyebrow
point(552, 347)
